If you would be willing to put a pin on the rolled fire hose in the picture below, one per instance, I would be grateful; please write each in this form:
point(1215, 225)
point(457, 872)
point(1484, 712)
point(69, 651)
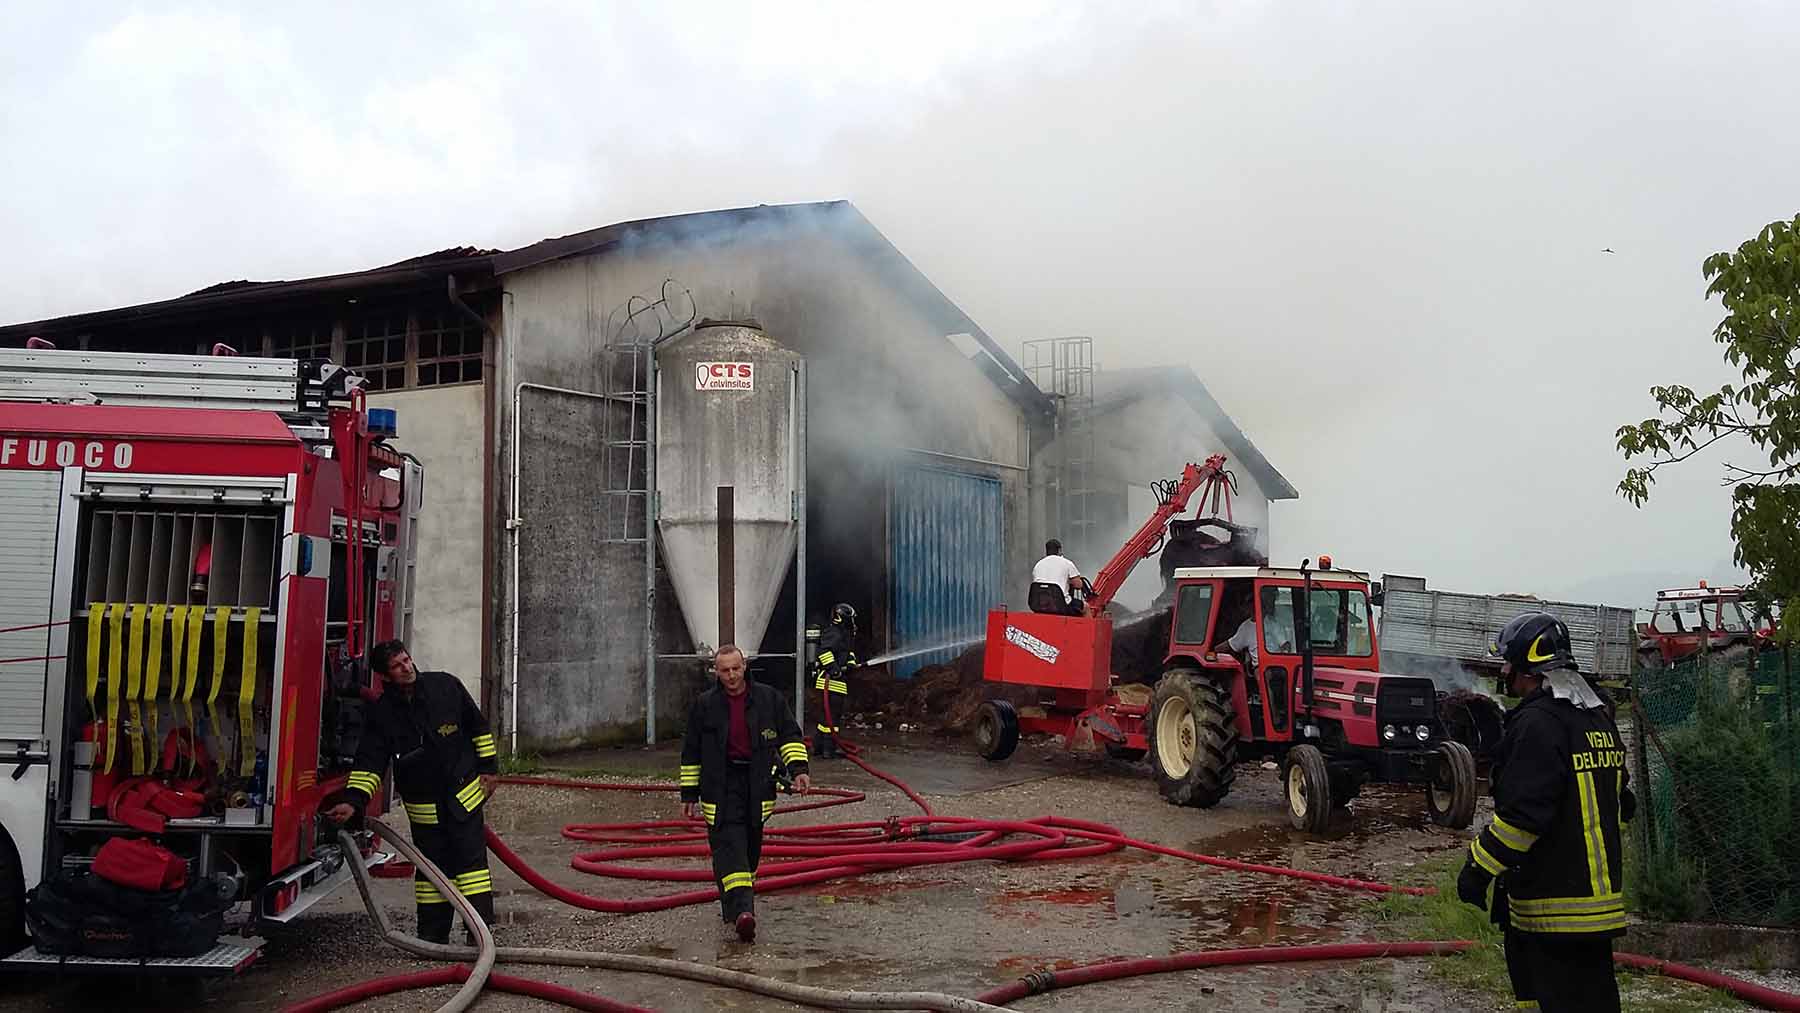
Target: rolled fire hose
point(806, 995)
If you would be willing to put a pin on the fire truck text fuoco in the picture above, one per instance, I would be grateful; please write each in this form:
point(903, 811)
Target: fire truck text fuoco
point(22, 453)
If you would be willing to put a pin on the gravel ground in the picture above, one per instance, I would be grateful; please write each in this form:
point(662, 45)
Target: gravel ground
point(958, 929)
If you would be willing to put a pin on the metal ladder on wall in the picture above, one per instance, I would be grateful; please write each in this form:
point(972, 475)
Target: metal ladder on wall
point(1064, 368)
point(627, 373)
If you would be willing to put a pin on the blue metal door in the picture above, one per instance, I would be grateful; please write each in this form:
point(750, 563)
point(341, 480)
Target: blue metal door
point(945, 547)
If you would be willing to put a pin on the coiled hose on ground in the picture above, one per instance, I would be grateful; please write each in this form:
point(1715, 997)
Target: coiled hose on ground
point(819, 853)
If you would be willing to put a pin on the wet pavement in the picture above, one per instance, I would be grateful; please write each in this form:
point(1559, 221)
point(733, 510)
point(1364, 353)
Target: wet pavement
point(955, 928)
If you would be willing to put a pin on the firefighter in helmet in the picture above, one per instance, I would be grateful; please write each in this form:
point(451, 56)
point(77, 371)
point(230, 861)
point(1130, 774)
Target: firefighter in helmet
point(1552, 851)
point(445, 766)
point(835, 658)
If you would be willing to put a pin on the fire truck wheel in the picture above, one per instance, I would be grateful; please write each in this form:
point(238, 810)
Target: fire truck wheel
point(12, 897)
point(1193, 741)
point(1450, 796)
point(1308, 789)
point(996, 730)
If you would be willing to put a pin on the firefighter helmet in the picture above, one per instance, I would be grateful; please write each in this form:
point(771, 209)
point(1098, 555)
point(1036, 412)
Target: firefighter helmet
point(1535, 642)
point(843, 615)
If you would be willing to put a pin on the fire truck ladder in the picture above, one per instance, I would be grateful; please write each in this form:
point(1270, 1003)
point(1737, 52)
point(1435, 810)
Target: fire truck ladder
point(288, 386)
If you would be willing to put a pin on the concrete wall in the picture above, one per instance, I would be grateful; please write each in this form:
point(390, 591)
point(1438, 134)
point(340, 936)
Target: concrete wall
point(883, 381)
point(1145, 440)
point(441, 426)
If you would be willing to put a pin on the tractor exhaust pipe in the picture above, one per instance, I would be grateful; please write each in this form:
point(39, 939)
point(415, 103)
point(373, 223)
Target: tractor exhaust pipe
point(1303, 633)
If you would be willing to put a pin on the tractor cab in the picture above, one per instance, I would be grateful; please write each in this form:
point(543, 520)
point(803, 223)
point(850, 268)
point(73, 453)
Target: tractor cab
point(1283, 663)
point(1687, 620)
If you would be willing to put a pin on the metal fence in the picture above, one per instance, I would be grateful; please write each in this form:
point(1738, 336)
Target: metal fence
point(1716, 761)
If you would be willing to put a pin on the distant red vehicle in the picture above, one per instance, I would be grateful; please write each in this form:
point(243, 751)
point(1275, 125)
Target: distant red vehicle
point(1686, 618)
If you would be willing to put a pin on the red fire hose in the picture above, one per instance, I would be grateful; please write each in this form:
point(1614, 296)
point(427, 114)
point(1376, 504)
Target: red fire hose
point(819, 853)
point(1749, 991)
point(455, 975)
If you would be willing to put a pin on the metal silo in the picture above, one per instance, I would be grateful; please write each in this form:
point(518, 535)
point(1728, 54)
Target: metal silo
point(726, 473)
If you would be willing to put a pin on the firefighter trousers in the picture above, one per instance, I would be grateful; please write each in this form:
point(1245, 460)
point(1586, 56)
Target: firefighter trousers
point(734, 835)
point(1572, 974)
point(834, 700)
point(459, 848)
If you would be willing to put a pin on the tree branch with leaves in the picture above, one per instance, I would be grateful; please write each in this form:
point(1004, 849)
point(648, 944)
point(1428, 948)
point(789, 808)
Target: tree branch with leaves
point(1759, 286)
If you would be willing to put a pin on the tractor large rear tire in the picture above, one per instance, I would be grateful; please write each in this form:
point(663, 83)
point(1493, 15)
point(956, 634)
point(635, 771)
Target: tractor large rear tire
point(996, 730)
point(1193, 740)
point(1306, 785)
point(1450, 797)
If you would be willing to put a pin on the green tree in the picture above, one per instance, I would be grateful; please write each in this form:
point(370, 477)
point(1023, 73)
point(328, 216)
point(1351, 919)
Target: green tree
point(1759, 286)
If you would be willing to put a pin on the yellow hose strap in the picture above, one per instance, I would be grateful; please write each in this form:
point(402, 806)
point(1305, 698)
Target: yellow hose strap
point(115, 649)
point(177, 653)
point(95, 634)
point(221, 635)
point(247, 694)
point(153, 681)
point(195, 624)
point(134, 688)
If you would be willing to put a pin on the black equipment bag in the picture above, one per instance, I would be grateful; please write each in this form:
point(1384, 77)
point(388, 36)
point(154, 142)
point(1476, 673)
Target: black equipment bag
point(77, 914)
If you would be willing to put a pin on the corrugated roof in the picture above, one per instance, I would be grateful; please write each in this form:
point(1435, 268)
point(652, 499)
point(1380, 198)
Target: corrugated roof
point(471, 264)
point(1115, 388)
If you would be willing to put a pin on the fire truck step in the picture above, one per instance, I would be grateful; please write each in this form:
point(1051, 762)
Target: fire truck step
point(221, 961)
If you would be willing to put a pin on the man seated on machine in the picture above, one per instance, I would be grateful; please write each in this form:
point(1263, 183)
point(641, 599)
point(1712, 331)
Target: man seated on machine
point(1051, 582)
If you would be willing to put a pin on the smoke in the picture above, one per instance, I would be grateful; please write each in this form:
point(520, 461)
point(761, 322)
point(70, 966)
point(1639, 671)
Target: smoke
point(1367, 273)
point(1447, 674)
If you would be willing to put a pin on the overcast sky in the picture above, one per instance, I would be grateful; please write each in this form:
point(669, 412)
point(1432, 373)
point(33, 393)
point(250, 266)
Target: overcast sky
point(1375, 229)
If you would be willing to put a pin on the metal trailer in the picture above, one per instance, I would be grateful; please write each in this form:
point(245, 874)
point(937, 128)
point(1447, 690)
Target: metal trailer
point(214, 496)
point(1429, 624)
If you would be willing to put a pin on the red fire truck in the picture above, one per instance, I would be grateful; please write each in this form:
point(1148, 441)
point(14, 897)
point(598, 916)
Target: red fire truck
point(198, 551)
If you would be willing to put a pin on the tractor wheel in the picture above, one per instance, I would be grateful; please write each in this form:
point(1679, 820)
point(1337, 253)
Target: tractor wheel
point(12, 897)
point(1193, 741)
point(1124, 753)
point(1450, 796)
point(1307, 783)
point(996, 730)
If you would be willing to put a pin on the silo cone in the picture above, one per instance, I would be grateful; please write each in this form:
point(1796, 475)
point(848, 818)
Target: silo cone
point(725, 417)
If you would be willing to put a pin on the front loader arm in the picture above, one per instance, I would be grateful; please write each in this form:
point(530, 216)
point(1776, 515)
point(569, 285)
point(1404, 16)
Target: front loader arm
point(1172, 499)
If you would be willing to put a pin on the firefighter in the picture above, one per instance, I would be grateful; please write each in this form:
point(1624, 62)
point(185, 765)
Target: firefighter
point(836, 657)
point(740, 738)
point(445, 769)
point(1552, 850)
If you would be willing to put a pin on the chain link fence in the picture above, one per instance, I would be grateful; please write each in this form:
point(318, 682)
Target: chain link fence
point(1716, 764)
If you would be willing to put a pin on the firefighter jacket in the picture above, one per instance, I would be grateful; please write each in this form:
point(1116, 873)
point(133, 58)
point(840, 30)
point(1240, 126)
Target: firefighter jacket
point(439, 744)
point(774, 740)
point(837, 654)
point(1560, 782)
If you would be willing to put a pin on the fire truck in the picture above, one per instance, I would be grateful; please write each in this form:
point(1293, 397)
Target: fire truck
point(199, 550)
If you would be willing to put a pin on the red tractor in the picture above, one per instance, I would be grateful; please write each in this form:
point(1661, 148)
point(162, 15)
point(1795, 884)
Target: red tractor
point(1723, 617)
point(1260, 662)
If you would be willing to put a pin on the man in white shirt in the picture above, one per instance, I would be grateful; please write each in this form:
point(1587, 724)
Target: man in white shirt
point(1058, 570)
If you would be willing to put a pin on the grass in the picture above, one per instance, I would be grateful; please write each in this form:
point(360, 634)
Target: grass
point(535, 765)
point(1483, 967)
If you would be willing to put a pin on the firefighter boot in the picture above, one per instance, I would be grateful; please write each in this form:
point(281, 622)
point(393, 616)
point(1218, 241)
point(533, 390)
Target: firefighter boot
point(484, 906)
point(746, 927)
point(826, 747)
